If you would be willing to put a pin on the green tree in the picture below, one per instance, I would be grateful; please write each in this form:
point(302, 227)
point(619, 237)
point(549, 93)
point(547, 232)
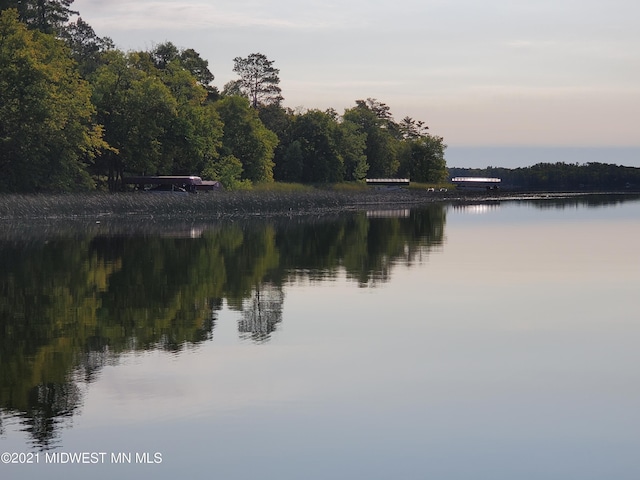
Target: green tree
point(423, 159)
point(228, 170)
point(194, 137)
point(352, 143)
point(86, 47)
point(48, 16)
point(276, 118)
point(421, 155)
point(167, 53)
point(373, 118)
point(197, 66)
point(136, 109)
point(290, 163)
point(258, 79)
point(280, 120)
point(246, 138)
point(317, 132)
point(164, 53)
point(47, 130)
point(411, 129)
point(156, 114)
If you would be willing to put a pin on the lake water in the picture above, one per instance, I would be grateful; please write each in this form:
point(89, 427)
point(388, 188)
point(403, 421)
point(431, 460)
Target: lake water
point(488, 341)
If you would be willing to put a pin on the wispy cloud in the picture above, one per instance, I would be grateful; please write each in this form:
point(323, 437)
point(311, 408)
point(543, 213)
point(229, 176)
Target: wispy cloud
point(459, 61)
point(181, 15)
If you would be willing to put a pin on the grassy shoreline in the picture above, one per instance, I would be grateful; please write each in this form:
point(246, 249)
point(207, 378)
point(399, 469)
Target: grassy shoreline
point(240, 204)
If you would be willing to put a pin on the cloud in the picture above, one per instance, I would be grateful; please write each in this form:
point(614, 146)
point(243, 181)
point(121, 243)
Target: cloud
point(456, 62)
point(181, 15)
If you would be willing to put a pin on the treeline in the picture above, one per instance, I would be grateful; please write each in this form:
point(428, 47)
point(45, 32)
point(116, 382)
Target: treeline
point(76, 113)
point(560, 176)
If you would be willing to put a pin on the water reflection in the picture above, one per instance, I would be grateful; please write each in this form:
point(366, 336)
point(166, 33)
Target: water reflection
point(547, 201)
point(543, 201)
point(74, 301)
point(261, 312)
point(477, 208)
point(581, 200)
point(78, 297)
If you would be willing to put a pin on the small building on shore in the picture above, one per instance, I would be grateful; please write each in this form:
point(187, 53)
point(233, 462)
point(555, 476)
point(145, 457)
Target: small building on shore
point(483, 183)
point(172, 183)
point(388, 182)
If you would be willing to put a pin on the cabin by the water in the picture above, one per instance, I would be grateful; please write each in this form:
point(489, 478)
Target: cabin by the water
point(484, 183)
point(387, 182)
point(172, 183)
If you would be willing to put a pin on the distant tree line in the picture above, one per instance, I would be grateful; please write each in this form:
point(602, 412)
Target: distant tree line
point(76, 113)
point(560, 176)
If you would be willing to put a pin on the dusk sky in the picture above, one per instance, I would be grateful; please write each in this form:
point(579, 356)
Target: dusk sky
point(498, 73)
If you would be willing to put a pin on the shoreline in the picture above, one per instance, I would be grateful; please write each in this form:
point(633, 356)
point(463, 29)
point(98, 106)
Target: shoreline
point(40, 218)
point(247, 204)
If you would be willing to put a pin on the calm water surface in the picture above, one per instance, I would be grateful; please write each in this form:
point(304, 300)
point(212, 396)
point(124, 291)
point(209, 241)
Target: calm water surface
point(488, 341)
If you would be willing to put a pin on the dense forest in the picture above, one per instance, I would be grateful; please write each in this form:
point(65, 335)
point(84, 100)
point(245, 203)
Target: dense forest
point(560, 176)
point(76, 113)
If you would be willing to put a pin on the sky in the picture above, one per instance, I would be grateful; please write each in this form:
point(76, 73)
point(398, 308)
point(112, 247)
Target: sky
point(554, 78)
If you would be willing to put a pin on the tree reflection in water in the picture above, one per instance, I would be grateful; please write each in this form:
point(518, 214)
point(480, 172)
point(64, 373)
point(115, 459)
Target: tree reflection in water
point(74, 301)
point(261, 313)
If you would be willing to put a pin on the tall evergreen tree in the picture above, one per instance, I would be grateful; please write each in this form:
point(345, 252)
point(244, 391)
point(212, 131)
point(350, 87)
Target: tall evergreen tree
point(258, 79)
point(167, 53)
point(48, 16)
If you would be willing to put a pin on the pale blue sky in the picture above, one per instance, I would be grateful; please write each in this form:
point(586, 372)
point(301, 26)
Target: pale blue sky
point(493, 73)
